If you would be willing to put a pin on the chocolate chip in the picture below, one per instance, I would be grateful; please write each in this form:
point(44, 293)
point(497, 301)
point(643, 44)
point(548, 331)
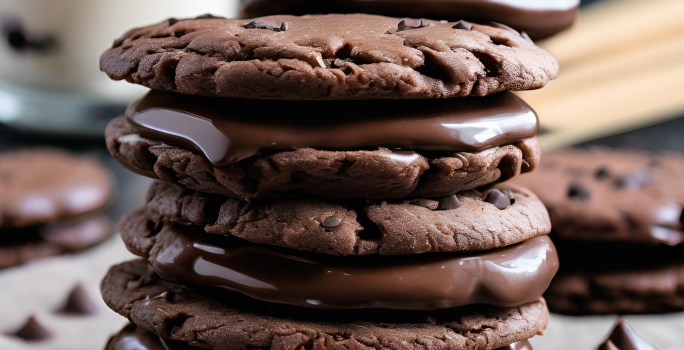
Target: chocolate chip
point(450, 203)
point(602, 173)
point(503, 26)
point(576, 191)
point(261, 25)
point(331, 222)
point(634, 180)
point(404, 26)
point(526, 37)
point(173, 21)
point(32, 330)
point(284, 26)
point(681, 218)
point(463, 25)
point(500, 200)
point(78, 302)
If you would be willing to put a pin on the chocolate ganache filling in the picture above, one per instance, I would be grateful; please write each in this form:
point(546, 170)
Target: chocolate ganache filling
point(505, 277)
point(229, 130)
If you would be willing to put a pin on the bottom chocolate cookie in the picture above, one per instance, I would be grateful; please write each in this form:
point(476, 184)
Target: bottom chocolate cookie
point(213, 319)
point(19, 246)
point(617, 278)
point(132, 337)
point(624, 292)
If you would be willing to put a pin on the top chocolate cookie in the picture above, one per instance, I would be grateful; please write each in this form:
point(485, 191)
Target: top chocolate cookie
point(539, 19)
point(612, 195)
point(328, 57)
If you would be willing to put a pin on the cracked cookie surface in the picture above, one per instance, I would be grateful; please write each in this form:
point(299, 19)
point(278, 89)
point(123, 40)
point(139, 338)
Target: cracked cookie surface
point(323, 57)
point(603, 194)
point(228, 321)
point(319, 173)
point(462, 223)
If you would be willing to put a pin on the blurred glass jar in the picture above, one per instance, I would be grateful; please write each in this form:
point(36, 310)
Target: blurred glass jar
point(50, 79)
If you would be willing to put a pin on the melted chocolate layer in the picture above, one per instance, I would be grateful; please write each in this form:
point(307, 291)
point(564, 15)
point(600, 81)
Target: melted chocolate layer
point(505, 277)
point(227, 131)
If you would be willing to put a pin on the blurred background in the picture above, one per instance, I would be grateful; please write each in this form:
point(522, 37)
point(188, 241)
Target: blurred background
point(621, 84)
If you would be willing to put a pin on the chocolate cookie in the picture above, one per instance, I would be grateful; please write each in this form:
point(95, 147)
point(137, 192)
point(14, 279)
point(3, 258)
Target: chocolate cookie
point(615, 195)
point(612, 277)
point(43, 185)
point(618, 292)
point(540, 20)
point(132, 335)
point(51, 203)
point(328, 57)
point(23, 245)
point(469, 221)
point(228, 321)
point(379, 174)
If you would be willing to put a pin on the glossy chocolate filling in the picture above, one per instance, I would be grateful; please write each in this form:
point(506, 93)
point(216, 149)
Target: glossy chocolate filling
point(229, 130)
point(505, 277)
point(134, 338)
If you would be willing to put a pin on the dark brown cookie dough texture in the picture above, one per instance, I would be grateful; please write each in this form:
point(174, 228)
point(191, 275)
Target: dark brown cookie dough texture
point(401, 227)
point(619, 220)
point(320, 173)
point(51, 203)
point(231, 322)
point(327, 57)
point(540, 21)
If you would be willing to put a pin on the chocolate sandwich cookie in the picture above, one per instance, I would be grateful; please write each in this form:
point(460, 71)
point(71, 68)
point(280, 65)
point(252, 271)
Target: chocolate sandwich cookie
point(328, 57)
point(610, 278)
point(228, 321)
point(133, 337)
point(51, 203)
point(612, 195)
point(508, 276)
point(381, 149)
point(539, 19)
point(469, 221)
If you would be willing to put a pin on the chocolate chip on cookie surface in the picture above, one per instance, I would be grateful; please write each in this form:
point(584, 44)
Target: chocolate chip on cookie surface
point(327, 57)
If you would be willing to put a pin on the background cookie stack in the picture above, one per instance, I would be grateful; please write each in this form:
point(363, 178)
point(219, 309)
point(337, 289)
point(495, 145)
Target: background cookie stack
point(51, 203)
point(618, 218)
point(325, 184)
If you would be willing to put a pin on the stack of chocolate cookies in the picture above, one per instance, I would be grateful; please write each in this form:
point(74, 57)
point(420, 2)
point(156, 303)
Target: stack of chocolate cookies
point(618, 219)
point(330, 181)
point(51, 203)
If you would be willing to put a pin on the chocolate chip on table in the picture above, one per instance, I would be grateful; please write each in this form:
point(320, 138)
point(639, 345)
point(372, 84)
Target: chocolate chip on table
point(32, 331)
point(602, 173)
point(173, 21)
point(78, 302)
point(262, 25)
point(450, 202)
point(463, 25)
point(500, 200)
point(331, 222)
point(405, 26)
point(634, 180)
point(576, 191)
